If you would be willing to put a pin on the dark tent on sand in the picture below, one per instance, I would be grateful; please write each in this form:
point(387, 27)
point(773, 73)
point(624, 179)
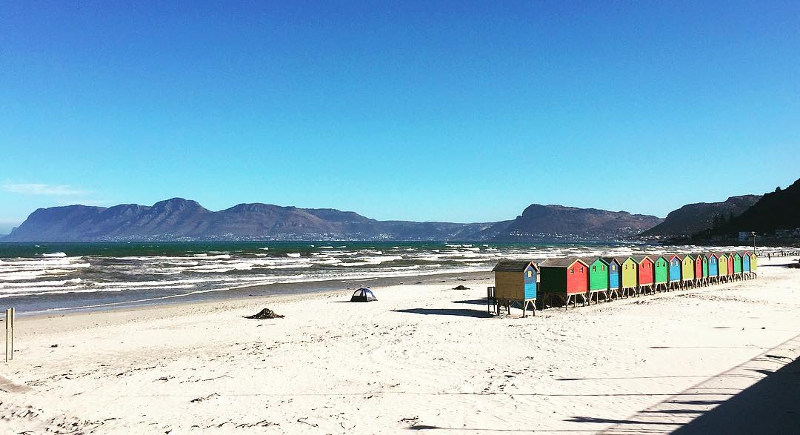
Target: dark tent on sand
point(363, 295)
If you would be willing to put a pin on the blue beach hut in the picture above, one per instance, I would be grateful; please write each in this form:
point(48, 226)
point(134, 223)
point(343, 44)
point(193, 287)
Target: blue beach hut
point(746, 265)
point(675, 263)
point(713, 267)
point(614, 276)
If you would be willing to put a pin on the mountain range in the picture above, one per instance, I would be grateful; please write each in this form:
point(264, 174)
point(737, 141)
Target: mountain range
point(694, 218)
point(778, 210)
point(181, 219)
point(554, 222)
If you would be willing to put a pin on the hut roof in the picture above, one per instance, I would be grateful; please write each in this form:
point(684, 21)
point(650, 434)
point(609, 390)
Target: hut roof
point(562, 262)
point(623, 259)
point(590, 260)
point(619, 260)
point(513, 266)
point(640, 258)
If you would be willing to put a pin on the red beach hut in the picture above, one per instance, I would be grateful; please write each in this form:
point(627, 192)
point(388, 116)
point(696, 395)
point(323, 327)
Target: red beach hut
point(698, 270)
point(645, 273)
point(565, 278)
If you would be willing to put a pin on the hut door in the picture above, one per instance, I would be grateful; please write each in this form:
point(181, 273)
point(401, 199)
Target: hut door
point(530, 283)
point(613, 276)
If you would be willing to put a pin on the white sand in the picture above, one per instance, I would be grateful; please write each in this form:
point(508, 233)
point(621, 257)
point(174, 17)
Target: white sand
point(421, 357)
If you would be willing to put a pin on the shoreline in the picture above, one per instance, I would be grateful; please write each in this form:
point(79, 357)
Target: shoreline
point(428, 356)
point(276, 290)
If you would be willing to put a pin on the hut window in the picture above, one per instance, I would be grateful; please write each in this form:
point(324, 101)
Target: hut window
point(602, 268)
point(572, 270)
point(594, 268)
point(530, 273)
point(581, 269)
point(613, 267)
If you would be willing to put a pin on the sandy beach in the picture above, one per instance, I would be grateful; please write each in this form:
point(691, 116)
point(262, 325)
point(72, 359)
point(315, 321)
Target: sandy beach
point(423, 357)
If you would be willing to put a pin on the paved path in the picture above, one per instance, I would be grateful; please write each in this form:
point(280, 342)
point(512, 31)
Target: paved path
point(759, 396)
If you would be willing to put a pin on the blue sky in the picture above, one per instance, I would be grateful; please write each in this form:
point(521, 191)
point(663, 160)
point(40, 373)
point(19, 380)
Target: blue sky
point(458, 111)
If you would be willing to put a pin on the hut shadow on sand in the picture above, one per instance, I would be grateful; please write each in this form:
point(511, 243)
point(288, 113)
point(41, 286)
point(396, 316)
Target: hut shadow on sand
point(461, 312)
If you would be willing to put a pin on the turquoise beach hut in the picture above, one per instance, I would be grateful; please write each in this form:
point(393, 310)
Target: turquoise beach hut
point(746, 265)
point(614, 276)
point(675, 263)
point(713, 267)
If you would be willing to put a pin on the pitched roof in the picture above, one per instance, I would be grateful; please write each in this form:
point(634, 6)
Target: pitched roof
point(512, 266)
point(640, 258)
point(590, 260)
point(561, 262)
point(619, 260)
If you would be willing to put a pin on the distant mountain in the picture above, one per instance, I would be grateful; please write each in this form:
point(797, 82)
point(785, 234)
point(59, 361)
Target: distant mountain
point(779, 210)
point(693, 218)
point(181, 219)
point(553, 222)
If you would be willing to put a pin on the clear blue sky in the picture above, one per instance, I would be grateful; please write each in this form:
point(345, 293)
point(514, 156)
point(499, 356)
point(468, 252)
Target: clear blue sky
point(458, 111)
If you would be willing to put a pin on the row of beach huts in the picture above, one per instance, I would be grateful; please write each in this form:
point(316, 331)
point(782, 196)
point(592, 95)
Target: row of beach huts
point(565, 280)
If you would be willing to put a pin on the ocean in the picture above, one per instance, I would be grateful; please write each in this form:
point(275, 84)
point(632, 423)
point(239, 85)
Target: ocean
point(61, 277)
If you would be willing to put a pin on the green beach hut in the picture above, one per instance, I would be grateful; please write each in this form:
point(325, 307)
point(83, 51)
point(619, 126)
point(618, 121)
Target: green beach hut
point(661, 272)
point(737, 265)
point(598, 278)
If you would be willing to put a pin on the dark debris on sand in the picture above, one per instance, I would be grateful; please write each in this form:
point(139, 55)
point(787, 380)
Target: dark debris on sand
point(266, 313)
point(460, 287)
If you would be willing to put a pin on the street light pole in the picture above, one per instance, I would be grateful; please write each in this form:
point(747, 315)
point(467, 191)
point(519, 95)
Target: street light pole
point(754, 241)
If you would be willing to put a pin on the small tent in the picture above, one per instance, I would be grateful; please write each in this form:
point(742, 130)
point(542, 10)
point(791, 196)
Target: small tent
point(363, 295)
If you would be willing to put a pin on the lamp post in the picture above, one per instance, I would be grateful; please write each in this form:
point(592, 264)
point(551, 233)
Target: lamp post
point(753, 233)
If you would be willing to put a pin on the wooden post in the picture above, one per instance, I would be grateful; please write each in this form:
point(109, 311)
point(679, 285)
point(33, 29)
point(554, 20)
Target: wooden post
point(13, 315)
point(10, 333)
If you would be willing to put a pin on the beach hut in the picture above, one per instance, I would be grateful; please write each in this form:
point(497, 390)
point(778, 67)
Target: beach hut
point(753, 264)
point(713, 267)
point(614, 276)
point(565, 278)
point(723, 267)
point(644, 270)
point(598, 278)
point(737, 265)
point(630, 275)
point(515, 281)
point(675, 263)
point(746, 265)
point(661, 272)
point(731, 274)
point(705, 269)
point(688, 275)
point(699, 277)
